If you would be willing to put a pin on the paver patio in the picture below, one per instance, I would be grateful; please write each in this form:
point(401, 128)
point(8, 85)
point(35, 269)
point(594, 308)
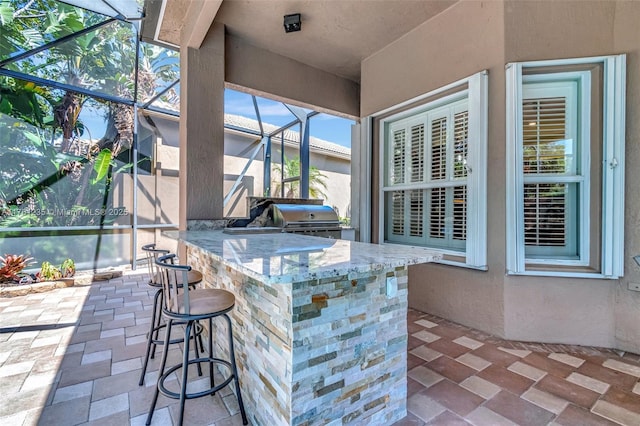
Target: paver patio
point(73, 356)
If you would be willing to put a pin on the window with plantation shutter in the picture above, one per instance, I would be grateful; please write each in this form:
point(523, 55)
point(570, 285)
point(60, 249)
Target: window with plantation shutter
point(564, 181)
point(429, 154)
point(553, 180)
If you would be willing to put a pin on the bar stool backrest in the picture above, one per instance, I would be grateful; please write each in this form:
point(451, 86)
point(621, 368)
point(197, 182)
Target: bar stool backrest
point(152, 254)
point(175, 284)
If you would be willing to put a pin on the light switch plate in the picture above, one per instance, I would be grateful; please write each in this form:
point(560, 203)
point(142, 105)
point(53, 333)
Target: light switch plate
point(392, 286)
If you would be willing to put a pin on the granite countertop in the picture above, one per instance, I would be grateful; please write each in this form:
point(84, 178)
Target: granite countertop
point(285, 257)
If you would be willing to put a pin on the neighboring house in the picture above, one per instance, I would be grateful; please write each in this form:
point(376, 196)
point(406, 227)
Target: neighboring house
point(495, 132)
point(332, 160)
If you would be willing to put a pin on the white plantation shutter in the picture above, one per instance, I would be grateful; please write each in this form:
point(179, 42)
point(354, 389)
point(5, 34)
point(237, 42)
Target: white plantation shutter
point(545, 124)
point(437, 210)
point(461, 142)
point(417, 153)
point(460, 213)
point(416, 212)
point(397, 213)
point(545, 221)
point(439, 148)
point(429, 152)
point(429, 155)
point(399, 155)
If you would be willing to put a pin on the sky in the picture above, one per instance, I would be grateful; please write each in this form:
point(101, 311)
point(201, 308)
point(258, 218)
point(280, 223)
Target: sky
point(323, 126)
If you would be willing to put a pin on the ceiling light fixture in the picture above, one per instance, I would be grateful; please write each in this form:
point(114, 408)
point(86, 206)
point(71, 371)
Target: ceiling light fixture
point(292, 23)
point(637, 259)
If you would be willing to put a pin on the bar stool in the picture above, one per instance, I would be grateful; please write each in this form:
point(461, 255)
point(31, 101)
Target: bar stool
point(156, 325)
point(186, 304)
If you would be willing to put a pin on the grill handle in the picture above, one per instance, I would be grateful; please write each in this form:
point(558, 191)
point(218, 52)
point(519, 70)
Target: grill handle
point(314, 224)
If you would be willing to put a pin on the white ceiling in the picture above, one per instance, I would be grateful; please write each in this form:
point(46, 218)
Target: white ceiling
point(336, 35)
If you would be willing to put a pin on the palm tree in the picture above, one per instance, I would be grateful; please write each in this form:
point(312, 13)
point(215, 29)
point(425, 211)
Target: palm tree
point(291, 168)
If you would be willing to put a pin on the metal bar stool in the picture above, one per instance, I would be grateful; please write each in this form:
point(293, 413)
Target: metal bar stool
point(194, 277)
point(188, 305)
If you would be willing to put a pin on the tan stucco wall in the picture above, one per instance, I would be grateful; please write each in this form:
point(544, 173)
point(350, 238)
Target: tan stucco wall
point(463, 40)
point(282, 78)
point(551, 309)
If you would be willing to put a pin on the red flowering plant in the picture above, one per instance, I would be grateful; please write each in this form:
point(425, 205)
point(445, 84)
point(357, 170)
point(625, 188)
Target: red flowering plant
point(11, 266)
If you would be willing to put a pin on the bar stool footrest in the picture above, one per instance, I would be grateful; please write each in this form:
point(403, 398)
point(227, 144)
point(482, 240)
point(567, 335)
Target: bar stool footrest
point(211, 391)
point(199, 330)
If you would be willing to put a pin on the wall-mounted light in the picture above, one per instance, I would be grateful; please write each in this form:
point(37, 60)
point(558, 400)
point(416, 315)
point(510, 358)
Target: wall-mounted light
point(292, 23)
point(637, 259)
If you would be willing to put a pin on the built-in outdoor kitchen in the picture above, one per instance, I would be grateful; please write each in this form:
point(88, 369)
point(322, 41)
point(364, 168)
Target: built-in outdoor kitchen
point(319, 323)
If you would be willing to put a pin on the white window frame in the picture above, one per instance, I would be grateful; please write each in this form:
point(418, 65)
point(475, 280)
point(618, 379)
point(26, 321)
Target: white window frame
point(613, 142)
point(476, 94)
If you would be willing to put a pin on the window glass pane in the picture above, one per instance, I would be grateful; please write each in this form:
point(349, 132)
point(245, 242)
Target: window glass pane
point(547, 136)
point(460, 213)
point(60, 164)
point(545, 214)
point(102, 60)
point(551, 218)
point(398, 153)
point(397, 213)
point(437, 212)
point(417, 153)
point(416, 213)
point(89, 249)
point(460, 141)
point(159, 69)
point(439, 149)
point(36, 23)
point(545, 125)
point(129, 9)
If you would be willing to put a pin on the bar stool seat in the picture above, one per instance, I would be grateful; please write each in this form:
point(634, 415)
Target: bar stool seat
point(194, 277)
point(183, 303)
point(206, 301)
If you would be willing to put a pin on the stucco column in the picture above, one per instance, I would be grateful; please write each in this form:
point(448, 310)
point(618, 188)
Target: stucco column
point(202, 130)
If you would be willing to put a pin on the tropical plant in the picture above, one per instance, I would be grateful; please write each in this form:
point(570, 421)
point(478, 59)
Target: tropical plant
point(68, 268)
point(291, 168)
point(48, 272)
point(12, 265)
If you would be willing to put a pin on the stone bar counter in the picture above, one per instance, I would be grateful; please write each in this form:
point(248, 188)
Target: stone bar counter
point(319, 324)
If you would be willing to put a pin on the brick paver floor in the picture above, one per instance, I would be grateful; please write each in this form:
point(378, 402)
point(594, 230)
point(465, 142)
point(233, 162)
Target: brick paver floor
point(74, 355)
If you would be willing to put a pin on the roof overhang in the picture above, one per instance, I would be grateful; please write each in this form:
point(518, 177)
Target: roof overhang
point(174, 23)
point(336, 36)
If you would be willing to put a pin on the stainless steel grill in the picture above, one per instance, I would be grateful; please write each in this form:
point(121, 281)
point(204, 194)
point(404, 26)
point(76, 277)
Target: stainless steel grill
point(320, 221)
point(310, 219)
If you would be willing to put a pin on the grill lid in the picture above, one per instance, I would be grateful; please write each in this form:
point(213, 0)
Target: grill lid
point(304, 215)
